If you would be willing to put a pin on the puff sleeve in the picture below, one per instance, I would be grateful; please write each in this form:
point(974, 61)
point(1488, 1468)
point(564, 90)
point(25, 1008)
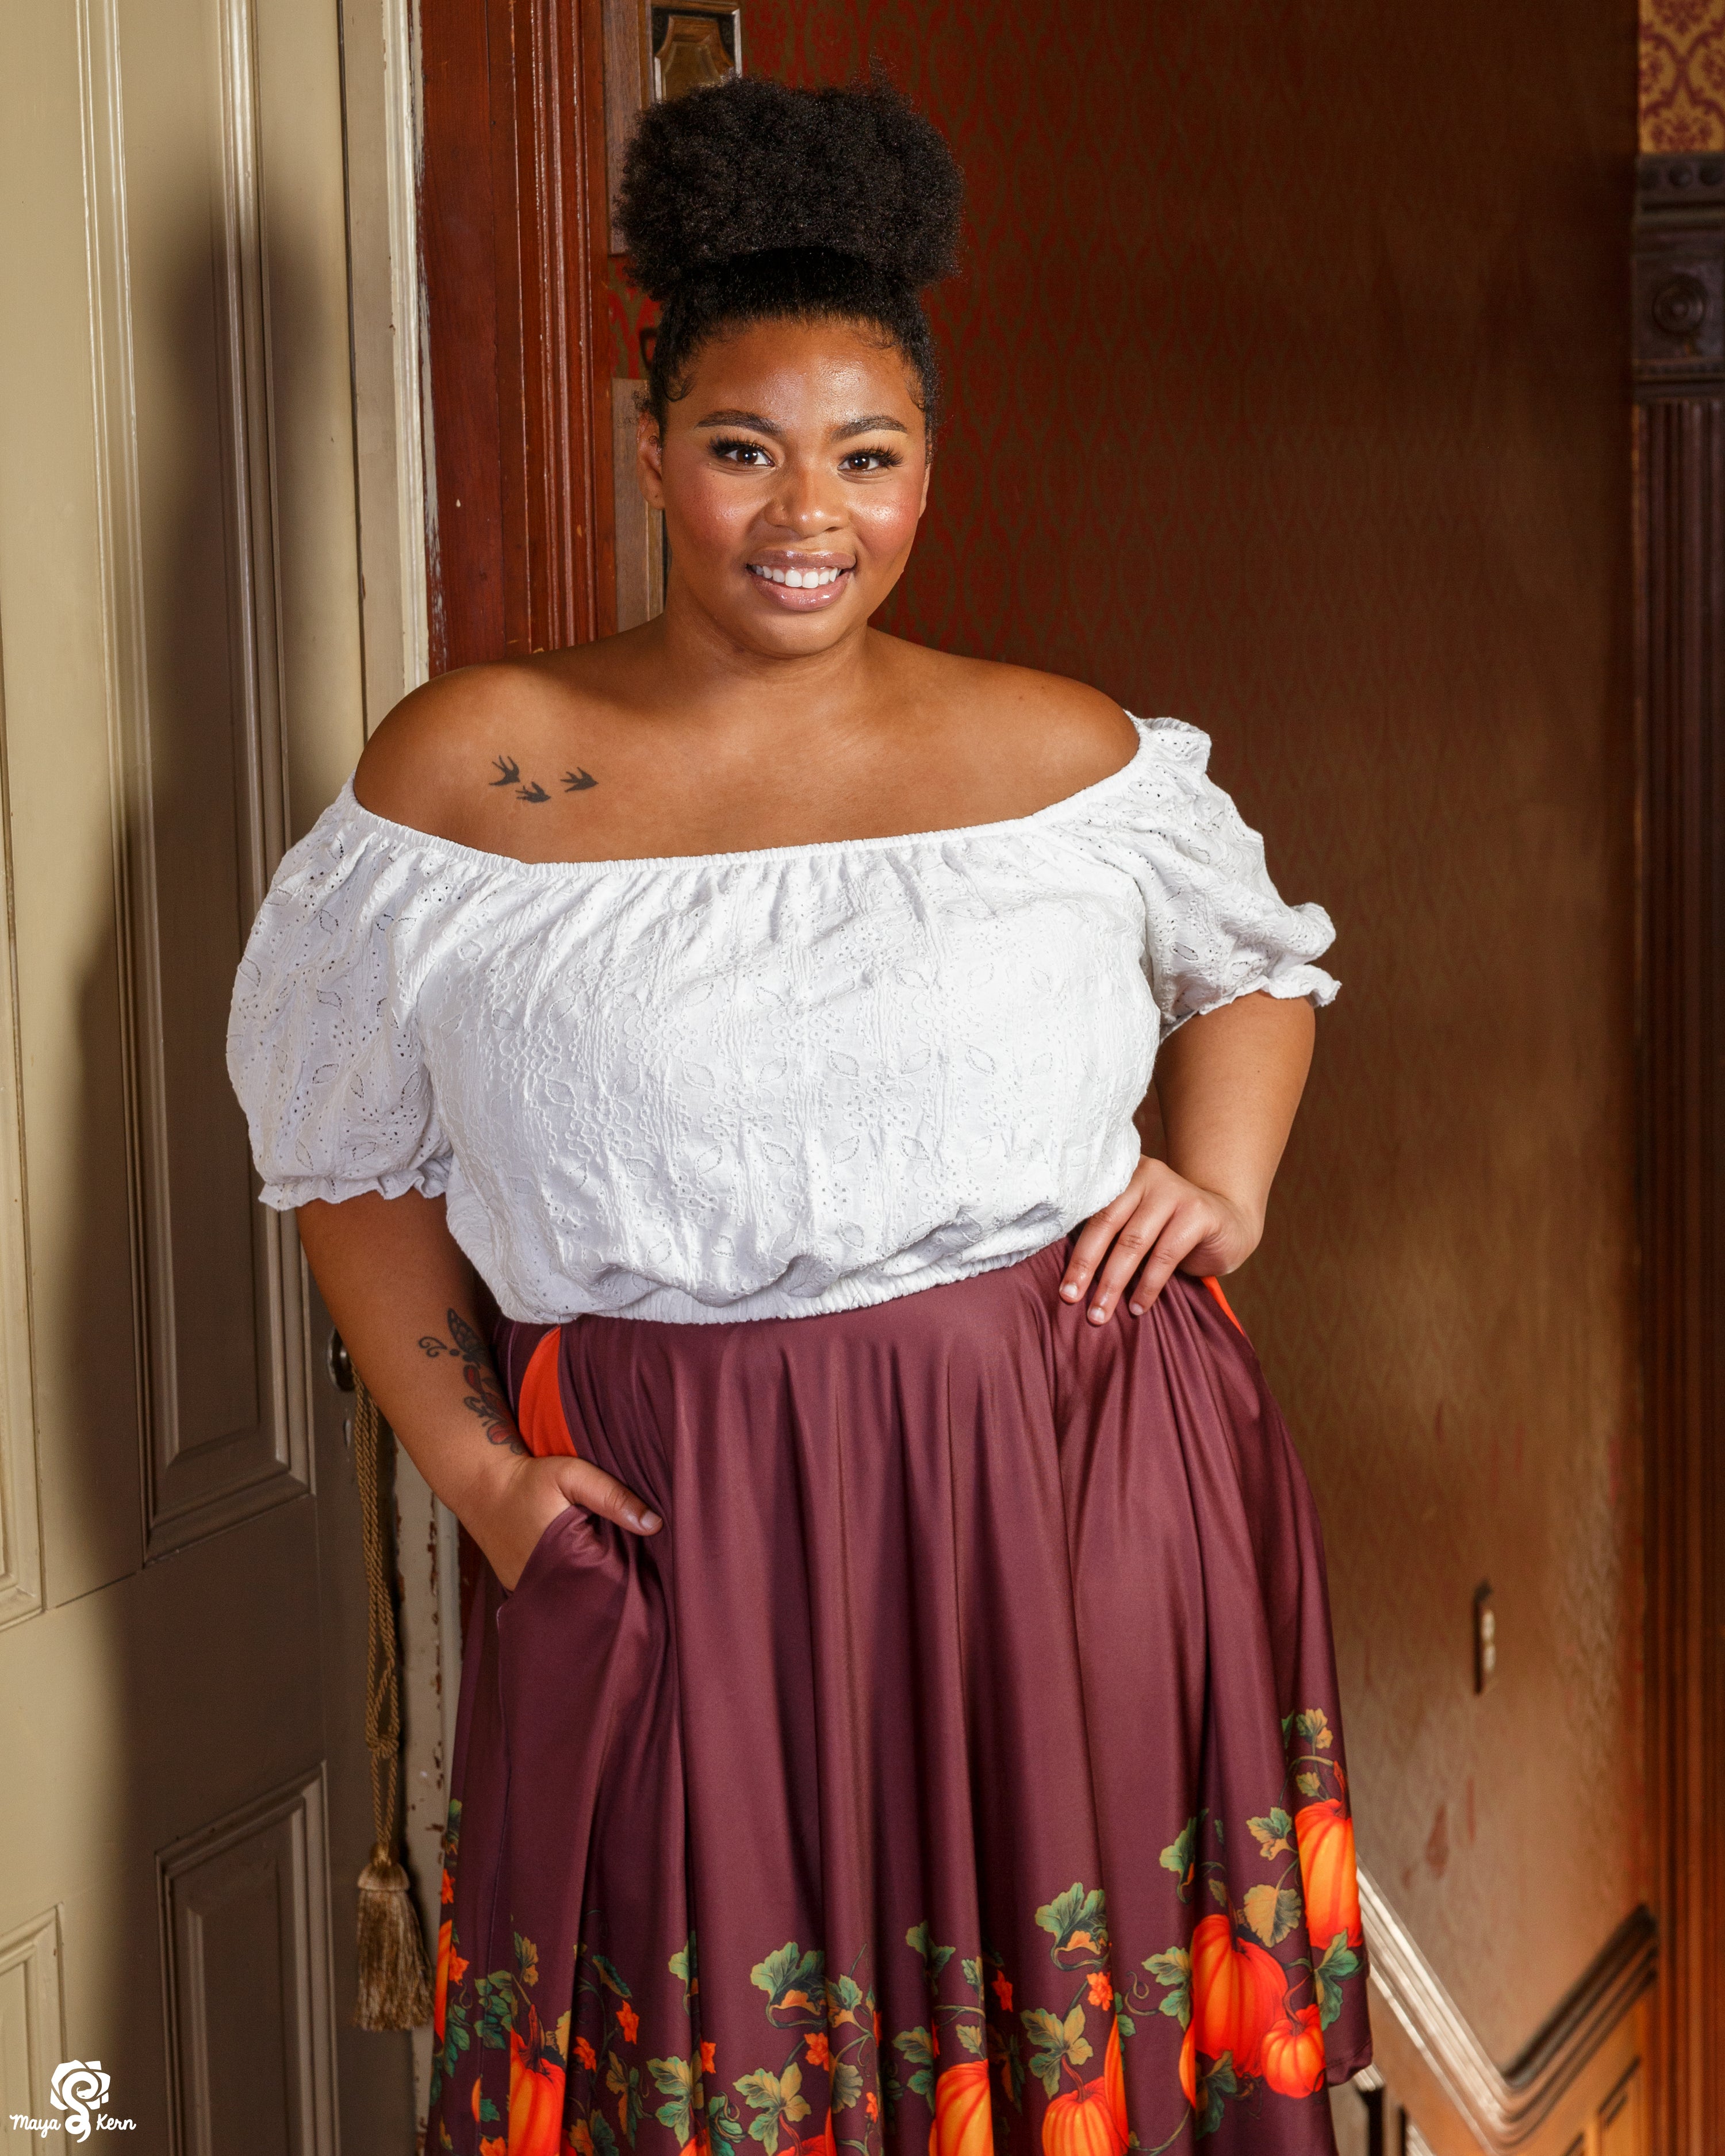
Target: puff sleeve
point(322, 1047)
point(1216, 926)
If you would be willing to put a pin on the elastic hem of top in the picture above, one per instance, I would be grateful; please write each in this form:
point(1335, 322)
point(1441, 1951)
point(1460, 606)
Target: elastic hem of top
point(1320, 993)
point(652, 1309)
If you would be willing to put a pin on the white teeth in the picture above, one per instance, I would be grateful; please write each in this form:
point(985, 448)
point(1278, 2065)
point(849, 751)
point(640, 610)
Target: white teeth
point(799, 580)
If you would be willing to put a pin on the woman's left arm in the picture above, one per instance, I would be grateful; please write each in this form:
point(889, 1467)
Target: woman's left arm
point(1228, 1086)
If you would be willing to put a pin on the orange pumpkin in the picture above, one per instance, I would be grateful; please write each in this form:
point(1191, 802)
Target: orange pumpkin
point(1082, 2123)
point(1325, 1834)
point(1114, 2080)
point(962, 2125)
point(823, 2143)
point(1294, 2054)
point(1188, 2065)
point(1237, 1991)
point(536, 2103)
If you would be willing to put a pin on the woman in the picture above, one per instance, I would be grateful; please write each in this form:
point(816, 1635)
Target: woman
point(898, 1704)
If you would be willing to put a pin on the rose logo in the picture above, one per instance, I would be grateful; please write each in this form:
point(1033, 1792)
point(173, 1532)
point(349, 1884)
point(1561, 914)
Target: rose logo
point(78, 2087)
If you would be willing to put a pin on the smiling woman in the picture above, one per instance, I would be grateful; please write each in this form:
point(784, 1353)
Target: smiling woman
point(899, 1580)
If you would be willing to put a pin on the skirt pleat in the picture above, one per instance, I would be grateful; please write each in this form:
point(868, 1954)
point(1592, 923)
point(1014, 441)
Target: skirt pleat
point(960, 1767)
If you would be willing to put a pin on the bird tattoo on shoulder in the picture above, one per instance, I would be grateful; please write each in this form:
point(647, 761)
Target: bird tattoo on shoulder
point(508, 773)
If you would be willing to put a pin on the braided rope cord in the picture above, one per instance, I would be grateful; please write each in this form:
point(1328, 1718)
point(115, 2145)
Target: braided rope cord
point(382, 1666)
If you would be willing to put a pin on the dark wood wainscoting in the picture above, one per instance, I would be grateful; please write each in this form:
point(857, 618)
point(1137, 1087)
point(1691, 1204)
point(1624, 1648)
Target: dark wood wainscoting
point(1680, 559)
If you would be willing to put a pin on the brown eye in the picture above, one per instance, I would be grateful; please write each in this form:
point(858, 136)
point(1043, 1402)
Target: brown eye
point(868, 461)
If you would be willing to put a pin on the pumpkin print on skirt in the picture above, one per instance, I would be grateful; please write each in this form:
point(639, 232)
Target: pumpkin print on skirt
point(959, 1770)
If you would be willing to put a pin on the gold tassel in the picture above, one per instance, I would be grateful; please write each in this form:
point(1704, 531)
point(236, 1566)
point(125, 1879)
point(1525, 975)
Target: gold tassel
point(394, 1989)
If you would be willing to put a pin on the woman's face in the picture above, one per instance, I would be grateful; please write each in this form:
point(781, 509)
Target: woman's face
point(798, 453)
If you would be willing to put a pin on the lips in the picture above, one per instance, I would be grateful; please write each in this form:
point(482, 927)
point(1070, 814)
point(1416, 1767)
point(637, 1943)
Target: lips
point(802, 583)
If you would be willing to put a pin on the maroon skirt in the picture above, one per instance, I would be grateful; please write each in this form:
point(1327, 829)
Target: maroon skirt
point(959, 1767)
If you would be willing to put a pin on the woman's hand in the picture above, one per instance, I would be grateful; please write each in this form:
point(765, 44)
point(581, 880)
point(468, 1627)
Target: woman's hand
point(527, 1494)
point(1159, 1223)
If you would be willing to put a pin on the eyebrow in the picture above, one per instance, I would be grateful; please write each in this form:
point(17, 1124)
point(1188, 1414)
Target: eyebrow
point(871, 423)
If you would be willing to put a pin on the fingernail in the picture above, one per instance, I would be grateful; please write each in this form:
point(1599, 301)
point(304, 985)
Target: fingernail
point(1099, 1314)
point(1070, 1290)
point(651, 1522)
point(1138, 1309)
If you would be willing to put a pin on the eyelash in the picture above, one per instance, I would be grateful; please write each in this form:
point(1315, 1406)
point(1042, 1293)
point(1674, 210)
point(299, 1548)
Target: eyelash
point(732, 450)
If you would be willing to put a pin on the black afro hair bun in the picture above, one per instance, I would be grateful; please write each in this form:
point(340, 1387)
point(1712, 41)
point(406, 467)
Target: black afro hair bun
point(752, 167)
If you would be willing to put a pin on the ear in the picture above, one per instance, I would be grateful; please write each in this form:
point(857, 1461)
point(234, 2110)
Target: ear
point(927, 474)
point(649, 460)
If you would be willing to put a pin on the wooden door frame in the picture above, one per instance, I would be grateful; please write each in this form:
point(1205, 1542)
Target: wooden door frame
point(1679, 355)
point(514, 232)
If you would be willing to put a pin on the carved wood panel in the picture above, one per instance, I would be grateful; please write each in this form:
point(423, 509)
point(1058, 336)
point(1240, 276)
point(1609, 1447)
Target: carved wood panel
point(1679, 569)
point(244, 1918)
point(32, 2038)
point(203, 315)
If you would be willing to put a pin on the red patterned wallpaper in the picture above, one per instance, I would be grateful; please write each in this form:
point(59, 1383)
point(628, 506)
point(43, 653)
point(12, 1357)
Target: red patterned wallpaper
point(1288, 381)
point(1683, 74)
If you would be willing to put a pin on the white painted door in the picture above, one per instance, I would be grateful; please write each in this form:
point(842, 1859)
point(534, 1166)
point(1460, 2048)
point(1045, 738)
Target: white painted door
point(183, 1803)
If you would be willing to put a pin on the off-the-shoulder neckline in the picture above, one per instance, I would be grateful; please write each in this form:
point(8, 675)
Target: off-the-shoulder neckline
point(409, 835)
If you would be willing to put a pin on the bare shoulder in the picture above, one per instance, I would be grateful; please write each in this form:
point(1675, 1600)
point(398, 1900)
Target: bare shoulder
point(1058, 736)
point(478, 731)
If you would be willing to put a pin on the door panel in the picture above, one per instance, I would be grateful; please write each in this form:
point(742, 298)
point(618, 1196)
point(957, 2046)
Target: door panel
point(185, 1807)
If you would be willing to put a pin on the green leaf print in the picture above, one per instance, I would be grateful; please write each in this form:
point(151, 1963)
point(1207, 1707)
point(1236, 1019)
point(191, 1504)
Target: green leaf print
point(496, 1995)
point(625, 2084)
point(935, 1959)
point(1272, 1912)
point(847, 2087)
point(1053, 2042)
point(973, 1974)
point(609, 1976)
point(1179, 1855)
point(489, 2114)
point(682, 1966)
point(679, 2079)
point(792, 1982)
point(971, 2037)
point(1313, 1725)
point(1005, 2052)
point(915, 2046)
point(1079, 1920)
point(722, 2121)
point(526, 1961)
point(1339, 1963)
point(1308, 1785)
point(1173, 1970)
point(1271, 1832)
point(604, 2140)
point(1220, 2082)
point(843, 1997)
point(774, 2097)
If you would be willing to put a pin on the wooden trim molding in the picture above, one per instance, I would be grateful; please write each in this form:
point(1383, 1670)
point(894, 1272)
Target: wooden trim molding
point(512, 186)
point(1503, 2106)
point(1679, 355)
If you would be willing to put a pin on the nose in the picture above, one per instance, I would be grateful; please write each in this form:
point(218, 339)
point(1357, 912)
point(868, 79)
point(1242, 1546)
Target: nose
point(801, 502)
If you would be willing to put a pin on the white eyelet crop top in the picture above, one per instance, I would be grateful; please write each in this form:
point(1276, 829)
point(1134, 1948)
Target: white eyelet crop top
point(752, 1085)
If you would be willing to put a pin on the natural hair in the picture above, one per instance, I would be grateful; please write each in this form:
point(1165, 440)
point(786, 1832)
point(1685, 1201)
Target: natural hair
point(753, 202)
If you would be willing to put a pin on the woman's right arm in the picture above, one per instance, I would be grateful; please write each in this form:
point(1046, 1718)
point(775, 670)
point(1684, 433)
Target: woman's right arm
point(405, 1301)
